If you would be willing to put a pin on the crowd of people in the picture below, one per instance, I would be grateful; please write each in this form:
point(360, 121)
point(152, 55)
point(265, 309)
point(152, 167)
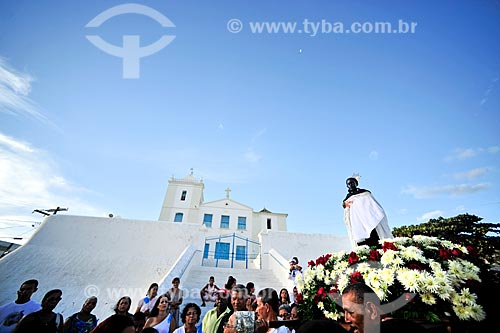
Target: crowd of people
point(236, 308)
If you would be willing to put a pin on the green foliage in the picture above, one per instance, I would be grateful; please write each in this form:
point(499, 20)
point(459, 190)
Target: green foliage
point(464, 229)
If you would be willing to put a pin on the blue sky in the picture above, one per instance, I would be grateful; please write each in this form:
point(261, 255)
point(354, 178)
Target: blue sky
point(280, 118)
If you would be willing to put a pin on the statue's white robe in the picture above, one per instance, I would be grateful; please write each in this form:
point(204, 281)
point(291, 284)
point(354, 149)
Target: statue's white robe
point(362, 214)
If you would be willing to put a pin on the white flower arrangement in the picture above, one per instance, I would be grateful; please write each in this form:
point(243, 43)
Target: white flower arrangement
point(437, 273)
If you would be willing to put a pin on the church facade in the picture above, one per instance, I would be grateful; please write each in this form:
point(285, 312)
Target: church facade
point(232, 228)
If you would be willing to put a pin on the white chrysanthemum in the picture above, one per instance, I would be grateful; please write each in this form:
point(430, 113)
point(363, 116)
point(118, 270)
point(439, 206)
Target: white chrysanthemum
point(456, 272)
point(321, 306)
point(462, 312)
point(409, 279)
point(363, 267)
point(388, 258)
point(373, 279)
point(398, 261)
point(466, 297)
point(428, 283)
point(309, 276)
point(387, 276)
point(320, 272)
point(401, 240)
point(343, 281)
point(477, 312)
point(444, 289)
point(341, 265)
point(380, 293)
point(332, 315)
point(435, 266)
point(413, 253)
point(455, 298)
point(340, 254)
point(471, 271)
point(428, 298)
point(447, 244)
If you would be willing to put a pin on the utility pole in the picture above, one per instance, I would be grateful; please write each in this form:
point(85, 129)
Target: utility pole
point(47, 212)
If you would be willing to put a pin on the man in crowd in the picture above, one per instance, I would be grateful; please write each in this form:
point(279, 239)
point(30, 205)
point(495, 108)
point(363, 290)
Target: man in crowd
point(214, 316)
point(11, 313)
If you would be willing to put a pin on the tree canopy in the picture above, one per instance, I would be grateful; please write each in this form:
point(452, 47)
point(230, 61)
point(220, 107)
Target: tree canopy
point(464, 229)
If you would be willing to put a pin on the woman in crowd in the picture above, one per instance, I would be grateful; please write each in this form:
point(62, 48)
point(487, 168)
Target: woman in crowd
point(44, 320)
point(190, 317)
point(231, 282)
point(123, 306)
point(147, 303)
point(83, 321)
point(174, 296)
point(159, 318)
point(284, 296)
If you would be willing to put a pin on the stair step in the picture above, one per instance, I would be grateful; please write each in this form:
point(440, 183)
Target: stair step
point(196, 277)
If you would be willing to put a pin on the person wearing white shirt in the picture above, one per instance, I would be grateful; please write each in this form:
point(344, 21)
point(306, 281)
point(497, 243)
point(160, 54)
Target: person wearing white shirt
point(11, 313)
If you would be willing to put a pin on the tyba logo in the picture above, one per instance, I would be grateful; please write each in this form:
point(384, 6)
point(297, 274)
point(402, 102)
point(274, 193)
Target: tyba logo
point(131, 51)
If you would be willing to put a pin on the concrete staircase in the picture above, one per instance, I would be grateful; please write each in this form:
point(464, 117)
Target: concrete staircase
point(196, 277)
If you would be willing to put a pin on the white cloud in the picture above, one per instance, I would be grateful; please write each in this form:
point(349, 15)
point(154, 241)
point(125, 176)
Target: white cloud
point(430, 215)
point(15, 88)
point(15, 145)
point(29, 179)
point(252, 157)
point(403, 211)
point(373, 155)
point(465, 153)
point(473, 173)
point(257, 135)
point(488, 91)
point(454, 190)
point(493, 149)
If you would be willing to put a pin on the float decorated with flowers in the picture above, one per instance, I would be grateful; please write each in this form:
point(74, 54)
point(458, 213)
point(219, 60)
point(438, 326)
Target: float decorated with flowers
point(435, 279)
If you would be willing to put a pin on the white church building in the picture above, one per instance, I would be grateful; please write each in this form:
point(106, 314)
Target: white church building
point(192, 239)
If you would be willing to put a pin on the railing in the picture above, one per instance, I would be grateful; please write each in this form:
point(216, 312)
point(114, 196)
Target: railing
point(279, 266)
point(179, 267)
point(225, 255)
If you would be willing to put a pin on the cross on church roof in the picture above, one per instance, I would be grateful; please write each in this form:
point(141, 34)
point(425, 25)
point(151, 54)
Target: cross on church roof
point(227, 192)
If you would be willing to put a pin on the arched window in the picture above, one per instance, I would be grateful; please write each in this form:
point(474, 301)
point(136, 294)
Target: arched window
point(178, 217)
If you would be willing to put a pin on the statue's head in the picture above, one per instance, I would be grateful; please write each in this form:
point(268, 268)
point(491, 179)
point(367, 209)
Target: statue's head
point(352, 184)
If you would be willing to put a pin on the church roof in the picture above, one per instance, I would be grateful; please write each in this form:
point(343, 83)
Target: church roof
point(264, 210)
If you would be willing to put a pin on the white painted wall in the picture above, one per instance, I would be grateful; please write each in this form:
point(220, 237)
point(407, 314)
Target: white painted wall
point(304, 246)
point(112, 257)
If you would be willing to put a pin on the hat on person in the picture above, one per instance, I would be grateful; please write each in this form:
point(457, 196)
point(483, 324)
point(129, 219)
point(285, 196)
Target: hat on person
point(293, 261)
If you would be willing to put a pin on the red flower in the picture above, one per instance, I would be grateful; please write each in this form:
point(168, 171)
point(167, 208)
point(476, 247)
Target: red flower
point(353, 258)
point(445, 254)
point(457, 252)
point(323, 259)
point(311, 263)
point(415, 267)
point(374, 255)
point(389, 246)
point(472, 251)
point(299, 298)
point(356, 277)
point(322, 292)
